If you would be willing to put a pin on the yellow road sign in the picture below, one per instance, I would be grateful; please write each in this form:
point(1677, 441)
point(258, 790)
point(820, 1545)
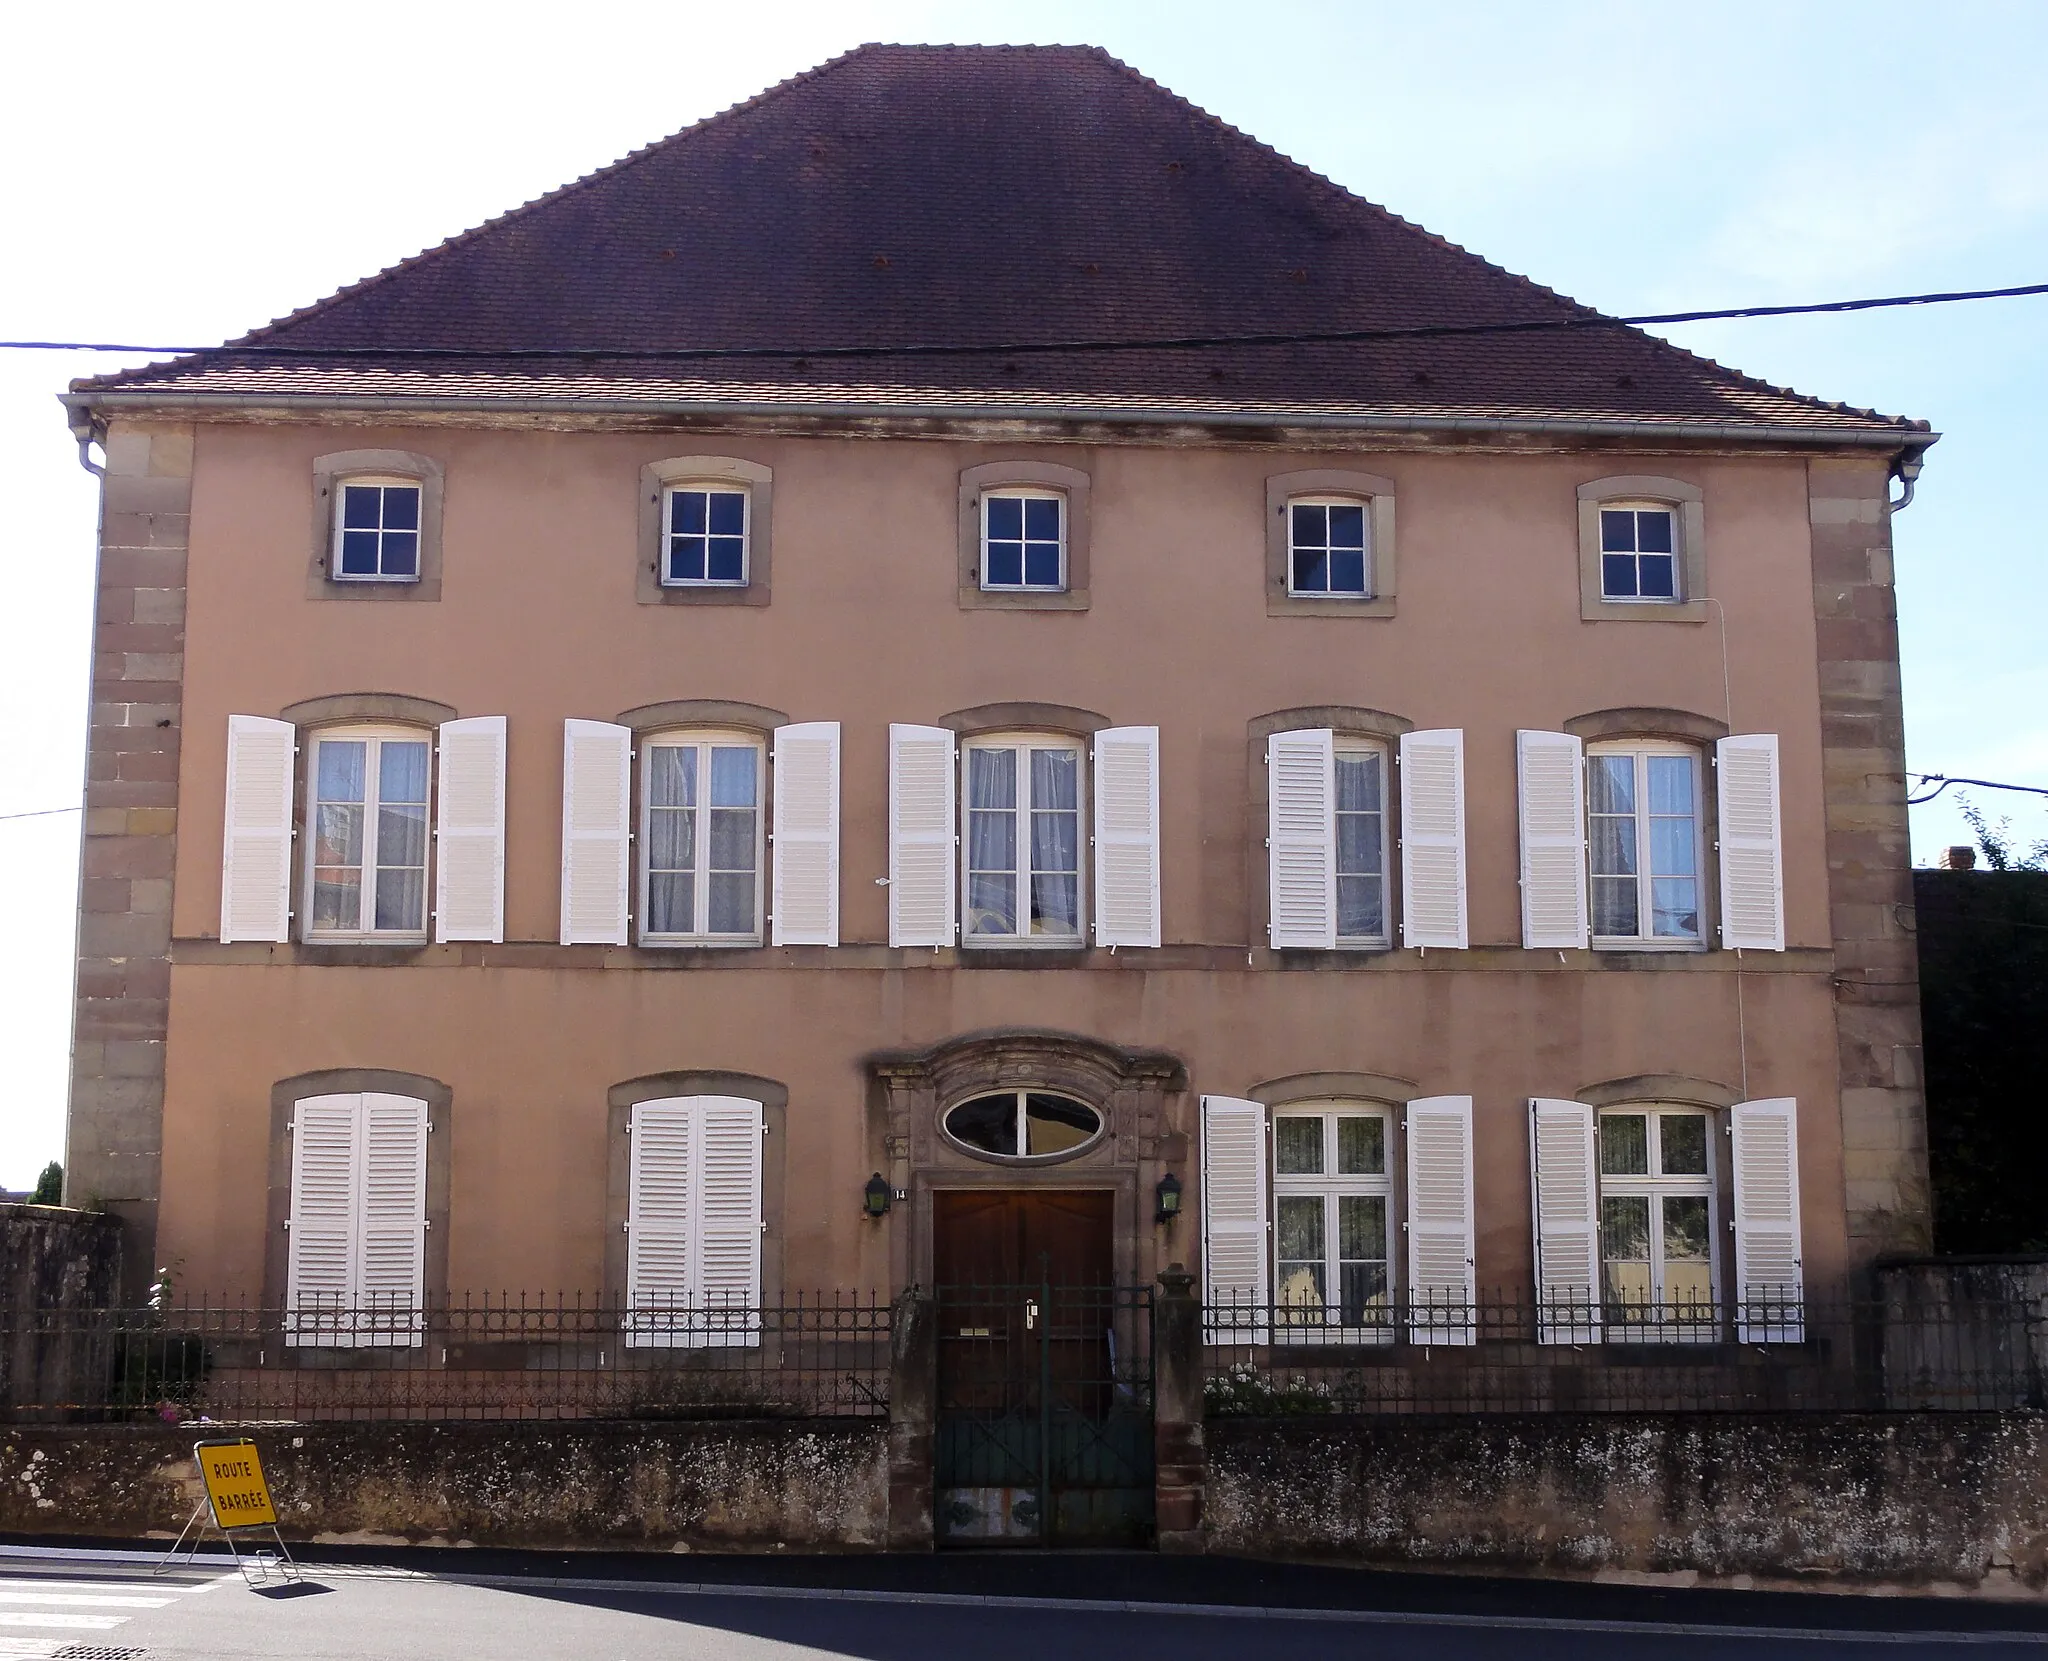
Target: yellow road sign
point(234, 1484)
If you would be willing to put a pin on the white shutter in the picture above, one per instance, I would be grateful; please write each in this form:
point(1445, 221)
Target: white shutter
point(1442, 1286)
point(1752, 860)
point(320, 1257)
point(1550, 773)
point(1567, 1210)
point(1127, 836)
point(727, 1248)
point(469, 852)
point(1770, 1287)
point(393, 1230)
point(660, 1220)
point(597, 816)
point(256, 845)
point(806, 835)
point(1301, 837)
point(922, 836)
point(1236, 1283)
point(1433, 838)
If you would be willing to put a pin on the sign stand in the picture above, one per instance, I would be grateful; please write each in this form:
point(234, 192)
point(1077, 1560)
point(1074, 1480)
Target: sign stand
point(239, 1501)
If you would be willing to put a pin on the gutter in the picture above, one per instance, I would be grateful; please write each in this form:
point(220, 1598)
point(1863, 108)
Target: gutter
point(1900, 440)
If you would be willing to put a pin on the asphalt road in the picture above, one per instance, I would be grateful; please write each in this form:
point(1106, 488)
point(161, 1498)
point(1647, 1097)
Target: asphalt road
point(426, 1606)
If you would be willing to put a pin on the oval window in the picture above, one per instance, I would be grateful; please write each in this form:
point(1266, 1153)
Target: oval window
point(1022, 1124)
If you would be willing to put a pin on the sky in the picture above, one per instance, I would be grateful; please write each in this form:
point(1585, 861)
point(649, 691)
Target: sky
point(177, 174)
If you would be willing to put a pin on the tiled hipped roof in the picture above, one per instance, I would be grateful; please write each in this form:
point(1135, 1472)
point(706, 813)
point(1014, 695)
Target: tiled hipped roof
point(980, 196)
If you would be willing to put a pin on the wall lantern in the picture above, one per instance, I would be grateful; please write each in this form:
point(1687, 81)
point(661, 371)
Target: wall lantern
point(874, 1198)
point(1168, 1193)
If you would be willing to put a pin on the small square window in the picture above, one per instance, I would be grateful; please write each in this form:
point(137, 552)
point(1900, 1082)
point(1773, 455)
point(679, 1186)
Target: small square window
point(1023, 540)
point(705, 541)
point(1638, 553)
point(377, 531)
point(1328, 550)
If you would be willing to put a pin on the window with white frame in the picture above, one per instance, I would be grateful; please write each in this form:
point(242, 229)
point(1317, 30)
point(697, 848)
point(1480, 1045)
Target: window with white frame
point(1644, 836)
point(1021, 853)
point(1639, 552)
point(700, 839)
point(377, 530)
point(704, 536)
point(1329, 548)
point(1333, 1200)
point(1024, 540)
point(1657, 1209)
point(366, 871)
point(1361, 798)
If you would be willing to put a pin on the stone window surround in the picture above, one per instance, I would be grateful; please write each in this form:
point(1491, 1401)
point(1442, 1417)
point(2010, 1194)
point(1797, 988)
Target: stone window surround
point(620, 1101)
point(996, 475)
point(1347, 721)
point(285, 1095)
point(759, 482)
point(1699, 734)
point(1651, 1090)
point(1128, 1088)
point(330, 471)
point(1381, 565)
point(1689, 502)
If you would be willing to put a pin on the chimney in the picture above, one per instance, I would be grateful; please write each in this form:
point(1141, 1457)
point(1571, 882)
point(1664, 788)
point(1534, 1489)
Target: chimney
point(1961, 858)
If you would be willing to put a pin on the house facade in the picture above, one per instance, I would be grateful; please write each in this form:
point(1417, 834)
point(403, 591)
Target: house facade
point(818, 710)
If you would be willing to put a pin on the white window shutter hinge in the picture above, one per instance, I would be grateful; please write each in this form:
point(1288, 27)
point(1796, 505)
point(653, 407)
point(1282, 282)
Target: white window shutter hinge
point(288, 1223)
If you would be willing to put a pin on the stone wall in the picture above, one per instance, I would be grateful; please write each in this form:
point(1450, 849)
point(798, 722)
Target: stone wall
point(1897, 1498)
point(733, 1486)
point(52, 1260)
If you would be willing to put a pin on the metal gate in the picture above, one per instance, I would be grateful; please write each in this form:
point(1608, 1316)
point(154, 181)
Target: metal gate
point(1044, 1433)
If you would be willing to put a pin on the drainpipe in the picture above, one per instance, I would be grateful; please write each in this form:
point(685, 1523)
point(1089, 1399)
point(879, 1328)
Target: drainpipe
point(88, 435)
point(1907, 471)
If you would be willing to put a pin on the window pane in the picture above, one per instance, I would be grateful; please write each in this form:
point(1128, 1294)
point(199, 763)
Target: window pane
point(686, 558)
point(1055, 905)
point(1005, 564)
point(1358, 783)
point(1625, 1228)
point(1364, 1293)
point(401, 898)
point(1611, 781)
point(1617, 531)
point(1653, 531)
point(1347, 527)
point(1310, 526)
point(988, 1123)
point(401, 837)
point(1056, 842)
point(401, 508)
point(992, 841)
point(1311, 571)
point(991, 778)
point(726, 562)
point(690, 511)
point(734, 774)
point(1670, 784)
point(337, 899)
point(401, 772)
point(671, 839)
point(672, 776)
point(1055, 778)
point(1361, 908)
point(732, 902)
point(672, 902)
point(1052, 1124)
point(1614, 906)
point(991, 904)
point(1298, 1146)
point(360, 505)
point(1674, 908)
point(338, 834)
point(1347, 571)
point(1298, 1235)
point(1614, 845)
point(732, 839)
point(1618, 576)
point(1657, 577)
point(1362, 1227)
point(341, 770)
point(727, 513)
point(1358, 844)
point(1682, 1144)
point(1042, 518)
point(1005, 517)
point(1361, 1146)
point(1671, 847)
point(401, 554)
point(1685, 1227)
point(1624, 1145)
point(359, 553)
point(1042, 564)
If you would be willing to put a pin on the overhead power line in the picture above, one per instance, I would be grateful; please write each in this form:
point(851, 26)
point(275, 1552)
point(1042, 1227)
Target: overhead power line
point(1322, 337)
point(1941, 781)
point(41, 812)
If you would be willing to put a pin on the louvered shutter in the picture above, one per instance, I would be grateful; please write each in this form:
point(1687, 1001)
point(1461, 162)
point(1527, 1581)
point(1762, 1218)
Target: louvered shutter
point(806, 835)
point(1567, 1209)
point(597, 813)
point(1236, 1279)
point(922, 829)
point(1433, 838)
point(660, 1221)
point(469, 852)
point(393, 1230)
point(1550, 773)
point(1127, 836)
point(320, 1257)
point(1442, 1286)
point(1752, 859)
point(727, 1246)
point(1301, 837)
point(1770, 1279)
point(256, 845)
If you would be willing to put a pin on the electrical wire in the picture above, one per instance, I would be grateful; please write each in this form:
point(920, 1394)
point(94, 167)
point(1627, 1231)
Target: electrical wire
point(1941, 781)
point(43, 812)
point(1328, 337)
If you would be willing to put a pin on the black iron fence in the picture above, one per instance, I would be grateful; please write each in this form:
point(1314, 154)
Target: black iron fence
point(1507, 1352)
point(472, 1358)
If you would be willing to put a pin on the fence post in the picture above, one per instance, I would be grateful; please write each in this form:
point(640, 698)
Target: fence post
point(1180, 1456)
point(913, 1397)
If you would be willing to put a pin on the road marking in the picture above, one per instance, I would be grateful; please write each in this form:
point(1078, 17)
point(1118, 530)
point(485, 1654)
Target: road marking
point(91, 1623)
point(31, 1649)
point(83, 1599)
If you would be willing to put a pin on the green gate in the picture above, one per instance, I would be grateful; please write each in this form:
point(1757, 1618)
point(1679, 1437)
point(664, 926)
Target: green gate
point(1044, 1433)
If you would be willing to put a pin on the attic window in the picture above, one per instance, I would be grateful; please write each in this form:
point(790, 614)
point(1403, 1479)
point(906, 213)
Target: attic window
point(1023, 540)
point(706, 539)
point(377, 531)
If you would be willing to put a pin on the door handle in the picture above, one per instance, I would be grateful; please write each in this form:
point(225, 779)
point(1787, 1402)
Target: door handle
point(1030, 1314)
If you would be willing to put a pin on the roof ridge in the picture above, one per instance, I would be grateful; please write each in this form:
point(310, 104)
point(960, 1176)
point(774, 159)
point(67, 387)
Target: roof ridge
point(583, 181)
